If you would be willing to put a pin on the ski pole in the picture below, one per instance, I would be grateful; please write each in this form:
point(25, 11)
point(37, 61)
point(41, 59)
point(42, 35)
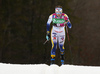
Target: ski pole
point(45, 42)
point(69, 44)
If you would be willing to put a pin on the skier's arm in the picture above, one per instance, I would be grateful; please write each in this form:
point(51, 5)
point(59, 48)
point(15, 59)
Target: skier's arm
point(48, 27)
point(68, 21)
point(48, 23)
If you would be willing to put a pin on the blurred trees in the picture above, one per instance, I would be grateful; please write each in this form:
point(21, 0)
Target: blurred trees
point(23, 30)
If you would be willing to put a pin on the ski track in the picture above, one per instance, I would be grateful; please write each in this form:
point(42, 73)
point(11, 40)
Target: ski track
point(45, 69)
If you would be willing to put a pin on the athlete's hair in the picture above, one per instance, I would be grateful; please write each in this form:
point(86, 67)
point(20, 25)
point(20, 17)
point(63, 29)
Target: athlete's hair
point(58, 6)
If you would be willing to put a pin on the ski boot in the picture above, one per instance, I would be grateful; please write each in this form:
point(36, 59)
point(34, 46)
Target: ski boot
point(62, 59)
point(52, 59)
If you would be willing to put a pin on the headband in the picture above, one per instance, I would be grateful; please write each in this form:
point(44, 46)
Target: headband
point(58, 9)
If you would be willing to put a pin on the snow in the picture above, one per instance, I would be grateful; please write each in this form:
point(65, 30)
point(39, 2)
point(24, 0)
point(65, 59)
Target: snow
point(45, 69)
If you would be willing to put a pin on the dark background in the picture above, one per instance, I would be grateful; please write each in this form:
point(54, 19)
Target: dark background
point(23, 31)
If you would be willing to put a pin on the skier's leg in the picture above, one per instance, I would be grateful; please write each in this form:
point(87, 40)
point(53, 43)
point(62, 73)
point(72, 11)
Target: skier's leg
point(54, 46)
point(61, 45)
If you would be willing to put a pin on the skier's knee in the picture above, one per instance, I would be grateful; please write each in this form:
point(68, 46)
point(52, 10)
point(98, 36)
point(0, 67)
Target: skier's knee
point(61, 48)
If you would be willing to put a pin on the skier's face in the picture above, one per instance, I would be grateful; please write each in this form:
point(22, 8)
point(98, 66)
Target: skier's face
point(58, 14)
point(58, 11)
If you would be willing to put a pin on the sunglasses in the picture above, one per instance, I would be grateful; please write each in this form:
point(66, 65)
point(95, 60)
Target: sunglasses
point(58, 13)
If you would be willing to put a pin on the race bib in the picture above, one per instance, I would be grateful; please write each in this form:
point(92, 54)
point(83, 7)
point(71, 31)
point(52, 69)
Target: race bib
point(58, 21)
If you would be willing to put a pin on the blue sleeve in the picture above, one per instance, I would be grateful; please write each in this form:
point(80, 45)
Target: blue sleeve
point(48, 23)
point(48, 27)
point(69, 25)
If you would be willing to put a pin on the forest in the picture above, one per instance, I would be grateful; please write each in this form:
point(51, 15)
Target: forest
point(23, 31)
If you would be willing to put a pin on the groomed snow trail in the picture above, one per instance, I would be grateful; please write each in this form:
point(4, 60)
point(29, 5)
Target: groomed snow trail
point(45, 69)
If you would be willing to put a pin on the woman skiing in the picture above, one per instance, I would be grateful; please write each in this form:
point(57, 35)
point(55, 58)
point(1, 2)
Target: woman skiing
point(59, 20)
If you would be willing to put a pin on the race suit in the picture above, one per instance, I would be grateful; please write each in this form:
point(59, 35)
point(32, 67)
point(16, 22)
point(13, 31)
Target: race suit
point(58, 31)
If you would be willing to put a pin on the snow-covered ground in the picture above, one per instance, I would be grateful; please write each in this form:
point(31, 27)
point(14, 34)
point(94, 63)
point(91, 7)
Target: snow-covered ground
point(45, 69)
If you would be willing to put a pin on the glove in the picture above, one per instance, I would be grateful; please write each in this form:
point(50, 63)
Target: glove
point(48, 36)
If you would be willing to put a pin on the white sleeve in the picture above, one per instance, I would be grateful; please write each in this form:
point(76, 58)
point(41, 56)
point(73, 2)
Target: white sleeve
point(49, 19)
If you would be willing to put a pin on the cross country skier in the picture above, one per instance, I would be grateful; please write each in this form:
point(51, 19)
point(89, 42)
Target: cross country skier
point(59, 20)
